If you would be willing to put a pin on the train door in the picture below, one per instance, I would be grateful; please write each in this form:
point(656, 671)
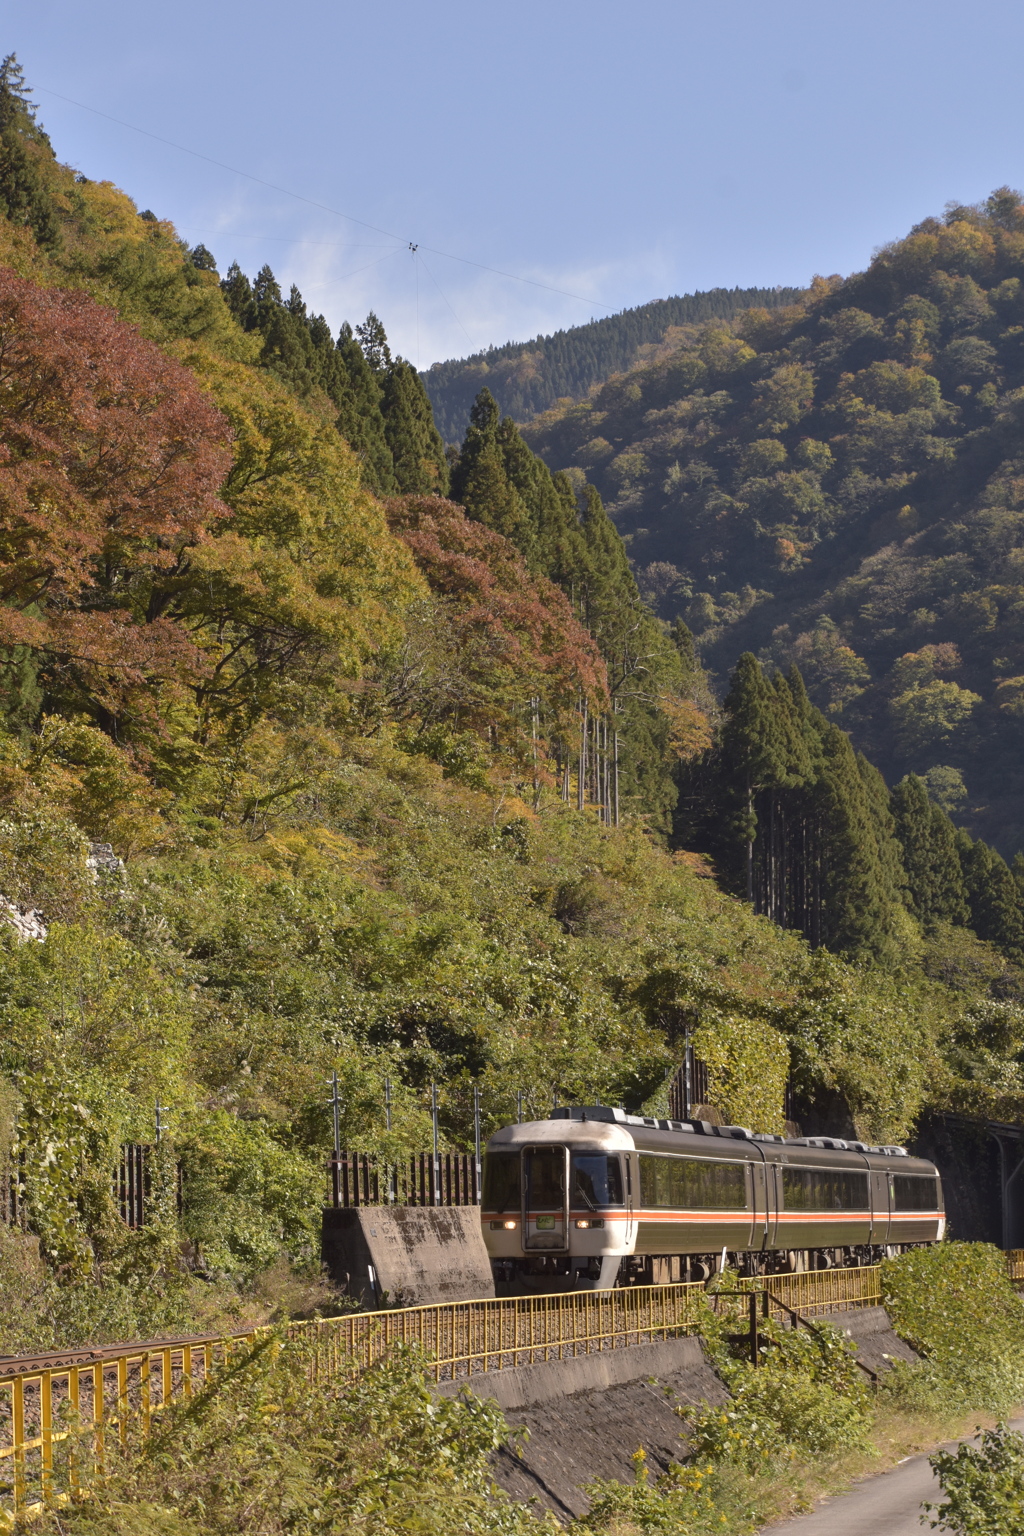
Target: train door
point(630, 1237)
point(880, 1206)
point(766, 1204)
point(545, 1199)
point(758, 1205)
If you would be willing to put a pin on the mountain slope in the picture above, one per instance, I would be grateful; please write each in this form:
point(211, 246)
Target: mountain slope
point(527, 377)
point(838, 483)
point(357, 759)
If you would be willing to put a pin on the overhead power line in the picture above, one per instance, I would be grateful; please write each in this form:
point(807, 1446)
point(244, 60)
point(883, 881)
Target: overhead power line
point(313, 202)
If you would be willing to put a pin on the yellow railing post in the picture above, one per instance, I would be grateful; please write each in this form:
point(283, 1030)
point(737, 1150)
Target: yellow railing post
point(46, 1435)
point(122, 1400)
point(18, 1430)
point(98, 1416)
point(74, 1405)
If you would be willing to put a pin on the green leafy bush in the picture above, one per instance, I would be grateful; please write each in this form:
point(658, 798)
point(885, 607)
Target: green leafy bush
point(955, 1305)
point(805, 1399)
point(681, 1503)
point(984, 1486)
point(257, 1453)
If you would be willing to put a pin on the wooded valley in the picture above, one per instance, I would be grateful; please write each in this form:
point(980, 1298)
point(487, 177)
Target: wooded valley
point(409, 779)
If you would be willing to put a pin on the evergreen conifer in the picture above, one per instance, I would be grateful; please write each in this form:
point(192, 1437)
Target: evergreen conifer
point(860, 902)
point(996, 912)
point(360, 421)
point(481, 483)
point(417, 452)
point(24, 148)
point(935, 883)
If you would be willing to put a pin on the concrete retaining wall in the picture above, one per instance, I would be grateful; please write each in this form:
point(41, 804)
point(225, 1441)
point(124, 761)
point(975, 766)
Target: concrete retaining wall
point(407, 1255)
point(872, 1332)
point(587, 1416)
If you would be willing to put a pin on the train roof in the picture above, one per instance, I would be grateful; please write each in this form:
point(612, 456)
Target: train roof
point(606, 1115)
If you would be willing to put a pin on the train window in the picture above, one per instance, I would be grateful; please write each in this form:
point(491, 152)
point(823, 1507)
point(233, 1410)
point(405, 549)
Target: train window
point(913, 1192)
point(824, 1189)
point(544, 1168)
point(501, 1181)
point(691, 1183)
point(596, 1180)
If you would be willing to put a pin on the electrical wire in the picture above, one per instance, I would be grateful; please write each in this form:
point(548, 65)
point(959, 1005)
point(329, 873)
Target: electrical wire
point(444, 296)
point(314, 203)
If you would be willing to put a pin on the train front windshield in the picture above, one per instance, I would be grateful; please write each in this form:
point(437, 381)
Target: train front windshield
point(501, 1182)
point(595, 1180)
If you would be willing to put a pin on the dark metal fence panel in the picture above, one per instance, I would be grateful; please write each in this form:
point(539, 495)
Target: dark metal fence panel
point(12, 1205)
point(364, 1178)
point(131, 1184)
point(689, 1090)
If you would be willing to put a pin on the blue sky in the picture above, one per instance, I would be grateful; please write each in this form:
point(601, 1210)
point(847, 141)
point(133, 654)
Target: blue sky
point(615, 152)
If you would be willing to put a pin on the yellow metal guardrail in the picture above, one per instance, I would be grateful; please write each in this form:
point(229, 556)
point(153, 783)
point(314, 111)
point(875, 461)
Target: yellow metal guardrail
point(59, 1413)
point(819, 1291)
point(79, 1402)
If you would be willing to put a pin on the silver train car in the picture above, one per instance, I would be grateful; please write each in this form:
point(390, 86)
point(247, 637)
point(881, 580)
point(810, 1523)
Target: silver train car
point(595, 1198)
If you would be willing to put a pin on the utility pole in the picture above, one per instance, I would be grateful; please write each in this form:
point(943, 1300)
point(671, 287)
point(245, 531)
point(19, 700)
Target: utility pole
point(615, 771)
point(335, 1103)
point(392, 1191)
point(476, 1143)
point(687, 1077)
point(581, 781)
point(437, 1159)
point(161, 1126)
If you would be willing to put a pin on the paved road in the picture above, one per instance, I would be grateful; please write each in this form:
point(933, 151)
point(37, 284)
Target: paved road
point(888, 1504)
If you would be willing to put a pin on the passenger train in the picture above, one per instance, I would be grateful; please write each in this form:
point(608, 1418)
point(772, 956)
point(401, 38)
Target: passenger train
point(594, 1198)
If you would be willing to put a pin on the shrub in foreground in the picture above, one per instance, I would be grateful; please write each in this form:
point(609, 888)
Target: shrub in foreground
point(955, 1305)
point(983, 1485)
point(260, 1453)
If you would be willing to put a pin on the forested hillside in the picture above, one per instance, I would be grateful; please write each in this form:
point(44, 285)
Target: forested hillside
point(526, 377)
point(837, 484)
point(403, 780)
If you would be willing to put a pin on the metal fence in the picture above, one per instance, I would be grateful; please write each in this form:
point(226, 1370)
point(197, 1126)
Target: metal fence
point(425, 1178)
point(130, 1185)
point(820, 1291)
point(60, 1413)
point(12, 1207)
point(1015, 1263)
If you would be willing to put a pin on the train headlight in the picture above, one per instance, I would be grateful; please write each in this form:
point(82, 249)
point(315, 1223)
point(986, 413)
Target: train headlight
point(504, 1226)
point(583, 1222)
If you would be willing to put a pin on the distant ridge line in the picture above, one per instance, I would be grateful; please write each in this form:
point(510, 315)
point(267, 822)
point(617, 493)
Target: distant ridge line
point(567, 362)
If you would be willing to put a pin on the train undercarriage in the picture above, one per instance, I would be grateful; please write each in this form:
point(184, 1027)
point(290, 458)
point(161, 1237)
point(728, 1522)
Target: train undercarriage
point(559, 1272)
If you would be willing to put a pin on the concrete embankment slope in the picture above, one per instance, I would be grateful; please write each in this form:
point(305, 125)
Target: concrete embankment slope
point(587, 1416)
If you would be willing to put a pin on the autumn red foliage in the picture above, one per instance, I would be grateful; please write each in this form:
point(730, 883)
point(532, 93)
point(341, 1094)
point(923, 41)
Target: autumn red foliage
point(521, 621)
point(111, 457)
